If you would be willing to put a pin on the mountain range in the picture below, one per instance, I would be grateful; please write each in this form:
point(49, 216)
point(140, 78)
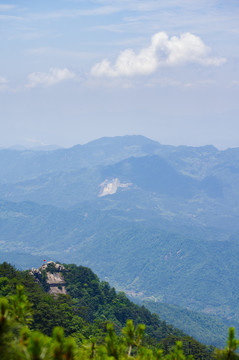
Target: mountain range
point(159, 222)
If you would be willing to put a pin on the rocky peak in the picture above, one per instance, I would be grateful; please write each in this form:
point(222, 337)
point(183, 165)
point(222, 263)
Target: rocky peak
point(52, 274)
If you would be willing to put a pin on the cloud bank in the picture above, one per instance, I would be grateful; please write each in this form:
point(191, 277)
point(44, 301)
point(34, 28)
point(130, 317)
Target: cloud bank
point(163, 51)
point(52, 77)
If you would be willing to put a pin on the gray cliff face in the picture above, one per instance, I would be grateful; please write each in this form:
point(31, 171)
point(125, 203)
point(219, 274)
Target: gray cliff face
point(55, 278)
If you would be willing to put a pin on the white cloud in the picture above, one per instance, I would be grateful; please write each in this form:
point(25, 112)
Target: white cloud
point(52, 77)
point(6, 7)
point(163, 51)
point(10, 17)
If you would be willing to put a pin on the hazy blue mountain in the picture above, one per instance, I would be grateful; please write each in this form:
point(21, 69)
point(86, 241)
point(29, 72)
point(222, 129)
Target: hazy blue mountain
point(156, 221)
point(21, 165)
point(155, 185)
point(150, 174)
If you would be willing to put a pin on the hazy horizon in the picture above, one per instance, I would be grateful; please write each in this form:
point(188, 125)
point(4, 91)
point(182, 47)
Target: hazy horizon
point(39, 145)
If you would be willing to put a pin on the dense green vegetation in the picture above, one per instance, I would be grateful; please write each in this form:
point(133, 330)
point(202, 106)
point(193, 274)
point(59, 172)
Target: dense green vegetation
point(20, 341)
point(172, 235)
point(87, 311)
point(140, 256)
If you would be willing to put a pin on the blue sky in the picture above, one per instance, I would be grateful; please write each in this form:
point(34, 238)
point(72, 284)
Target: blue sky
point(72, 71)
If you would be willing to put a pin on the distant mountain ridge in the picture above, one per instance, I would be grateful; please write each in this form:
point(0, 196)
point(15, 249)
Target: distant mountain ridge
point(104, 151)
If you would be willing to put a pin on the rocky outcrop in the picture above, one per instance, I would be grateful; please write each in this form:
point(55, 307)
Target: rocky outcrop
point(110, 187)
point(53, 277)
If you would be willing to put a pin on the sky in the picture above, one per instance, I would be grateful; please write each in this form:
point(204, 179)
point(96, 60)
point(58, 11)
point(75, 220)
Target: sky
point(72, 71)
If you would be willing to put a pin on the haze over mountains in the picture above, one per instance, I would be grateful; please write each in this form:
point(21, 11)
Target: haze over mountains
point(157, 221)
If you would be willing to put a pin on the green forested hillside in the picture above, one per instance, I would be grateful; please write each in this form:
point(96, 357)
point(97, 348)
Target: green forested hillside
point(87, 309)
point(138, 257)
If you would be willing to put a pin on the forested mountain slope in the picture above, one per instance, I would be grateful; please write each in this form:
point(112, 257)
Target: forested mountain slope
point(88, 307)
point(136, 256)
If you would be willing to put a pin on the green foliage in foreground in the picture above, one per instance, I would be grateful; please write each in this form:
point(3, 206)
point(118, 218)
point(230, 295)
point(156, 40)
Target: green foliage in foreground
point(18, 342)
point(86, 311)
